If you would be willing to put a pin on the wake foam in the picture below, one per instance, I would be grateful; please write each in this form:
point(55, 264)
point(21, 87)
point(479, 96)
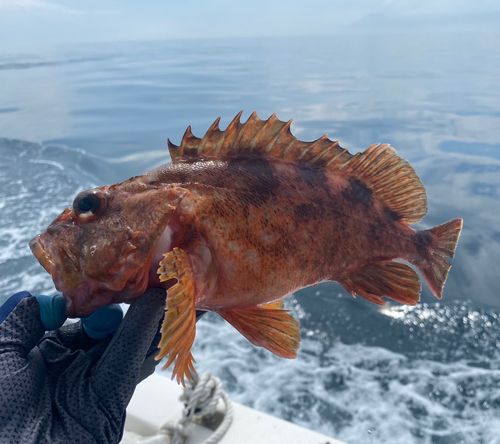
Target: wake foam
point(448, 392)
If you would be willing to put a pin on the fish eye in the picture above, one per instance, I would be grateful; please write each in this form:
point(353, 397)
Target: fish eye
point(89, 204)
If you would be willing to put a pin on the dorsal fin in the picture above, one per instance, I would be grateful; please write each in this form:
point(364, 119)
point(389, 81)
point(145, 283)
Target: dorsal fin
point(391, 179)
point(255, 137)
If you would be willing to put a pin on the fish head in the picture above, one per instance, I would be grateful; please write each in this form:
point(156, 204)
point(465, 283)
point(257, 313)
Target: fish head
point(99, 250)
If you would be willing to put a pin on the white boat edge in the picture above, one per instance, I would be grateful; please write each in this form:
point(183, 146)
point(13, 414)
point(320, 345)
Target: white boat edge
point(156, 402)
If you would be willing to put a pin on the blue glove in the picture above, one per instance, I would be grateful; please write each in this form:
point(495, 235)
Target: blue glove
point(63, 386)
point(98, 325)
point(103, 322)
point(52, 310)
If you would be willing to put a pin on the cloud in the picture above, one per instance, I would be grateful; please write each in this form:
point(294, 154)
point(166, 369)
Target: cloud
point(36, 4)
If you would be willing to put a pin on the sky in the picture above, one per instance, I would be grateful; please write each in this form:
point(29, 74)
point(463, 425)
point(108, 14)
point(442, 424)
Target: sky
point(50, 21)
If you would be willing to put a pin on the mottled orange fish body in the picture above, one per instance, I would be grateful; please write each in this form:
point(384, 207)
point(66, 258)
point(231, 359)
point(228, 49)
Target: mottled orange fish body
point(246, 217)
point(298, 230)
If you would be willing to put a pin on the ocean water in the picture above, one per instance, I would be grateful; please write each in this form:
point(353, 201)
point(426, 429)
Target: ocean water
point(76, 117)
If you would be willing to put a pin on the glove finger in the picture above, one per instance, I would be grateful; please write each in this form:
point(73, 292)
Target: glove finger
point(88, 332)
point(117, 373)
point(103, 322)
point(52, 310)
point(22, 327)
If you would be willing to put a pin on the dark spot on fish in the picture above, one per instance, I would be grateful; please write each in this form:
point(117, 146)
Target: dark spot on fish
point(375, 232)
point(263, 184)
point(219, 209)
point(330, 206)
point(265, 173)
point(358, 192)
point(321, 162)
point(182, 176)
point(304, 263)
point(422, 240)
point(305, 211)
point(318, 201)
point(391, 216)
point(312, 175)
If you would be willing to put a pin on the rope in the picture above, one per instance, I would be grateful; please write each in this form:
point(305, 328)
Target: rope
point(200, 399)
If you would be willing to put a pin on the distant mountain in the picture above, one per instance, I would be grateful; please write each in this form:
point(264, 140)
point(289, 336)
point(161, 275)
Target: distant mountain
point(485, 21)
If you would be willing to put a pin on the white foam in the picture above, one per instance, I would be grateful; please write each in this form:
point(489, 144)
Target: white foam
point(356, 393)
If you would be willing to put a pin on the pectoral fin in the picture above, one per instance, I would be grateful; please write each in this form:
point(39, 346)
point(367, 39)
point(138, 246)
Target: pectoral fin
point(179, 325)
point(268, 326)
point(390, 279)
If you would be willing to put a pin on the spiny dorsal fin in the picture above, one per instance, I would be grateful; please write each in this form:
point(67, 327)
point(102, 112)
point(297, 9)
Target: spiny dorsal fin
point(255, 137)
point(391, 179)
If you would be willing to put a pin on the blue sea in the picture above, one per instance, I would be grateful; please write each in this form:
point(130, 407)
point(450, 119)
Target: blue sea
point(74, 117)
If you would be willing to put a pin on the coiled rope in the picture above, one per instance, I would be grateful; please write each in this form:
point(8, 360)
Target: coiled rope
point(200, 399)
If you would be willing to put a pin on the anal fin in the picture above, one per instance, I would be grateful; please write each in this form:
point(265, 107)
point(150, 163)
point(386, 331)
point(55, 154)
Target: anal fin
point(268, 326)
point(390, 279)
point(278, 305)
point(179, 325)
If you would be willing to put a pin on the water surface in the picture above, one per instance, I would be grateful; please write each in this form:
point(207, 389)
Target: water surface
point(76, 117)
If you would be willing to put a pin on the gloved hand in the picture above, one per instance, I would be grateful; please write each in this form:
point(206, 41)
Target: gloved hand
point(98, 325)
point(64, 386)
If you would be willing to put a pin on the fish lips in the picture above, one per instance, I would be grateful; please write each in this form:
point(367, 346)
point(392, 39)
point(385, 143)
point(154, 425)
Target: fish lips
point(38, 250)
point(63, 270)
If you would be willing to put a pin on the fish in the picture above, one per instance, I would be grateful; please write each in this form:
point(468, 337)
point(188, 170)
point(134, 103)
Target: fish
point(239, 220)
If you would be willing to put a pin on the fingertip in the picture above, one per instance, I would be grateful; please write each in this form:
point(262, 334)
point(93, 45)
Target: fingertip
point(52, 310)
point(103, 322)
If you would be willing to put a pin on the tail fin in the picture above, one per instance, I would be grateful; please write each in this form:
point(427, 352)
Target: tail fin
point(444, 241)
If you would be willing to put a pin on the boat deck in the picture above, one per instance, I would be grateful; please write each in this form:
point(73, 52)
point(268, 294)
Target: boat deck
point(156, 401)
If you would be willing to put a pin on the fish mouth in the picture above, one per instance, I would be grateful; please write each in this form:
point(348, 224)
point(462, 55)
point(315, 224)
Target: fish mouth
point(83, 295)
point(41, 255)
point(61, 266)
point(62, 269)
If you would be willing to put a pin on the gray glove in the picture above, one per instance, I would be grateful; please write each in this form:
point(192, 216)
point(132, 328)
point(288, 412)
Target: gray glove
point(63, 386)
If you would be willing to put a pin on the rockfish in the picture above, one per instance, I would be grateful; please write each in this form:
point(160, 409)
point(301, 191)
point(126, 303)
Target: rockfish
point(241, 219)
